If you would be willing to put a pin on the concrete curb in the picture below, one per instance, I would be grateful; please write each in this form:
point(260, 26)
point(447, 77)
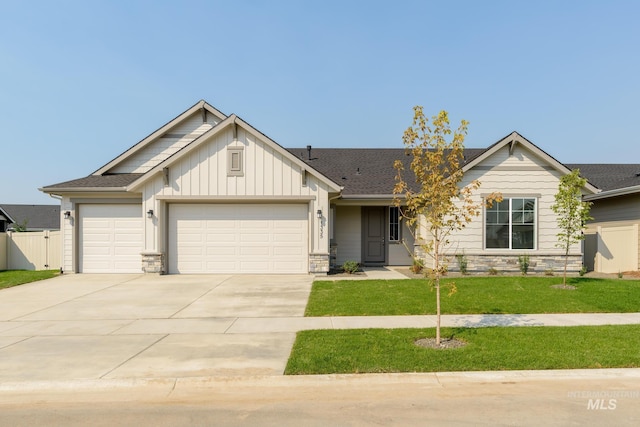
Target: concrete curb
point(166, 386)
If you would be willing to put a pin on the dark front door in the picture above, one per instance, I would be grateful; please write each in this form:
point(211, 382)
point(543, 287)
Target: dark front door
point(373, 234)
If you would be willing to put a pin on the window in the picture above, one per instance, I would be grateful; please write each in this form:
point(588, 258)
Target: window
point(394, 224)
point(234, 161)
point(510, 224)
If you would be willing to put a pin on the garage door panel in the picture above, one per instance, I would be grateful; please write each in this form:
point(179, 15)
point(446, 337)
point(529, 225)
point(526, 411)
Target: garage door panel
point(239, 238)
point(255, 251)
point(220, 251)
point(286, 250)
point(253, 238)
point(110, 238)
point(221, 238)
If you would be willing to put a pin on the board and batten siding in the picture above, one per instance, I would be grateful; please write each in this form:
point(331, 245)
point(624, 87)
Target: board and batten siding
point(166, 145)
point(267, 173)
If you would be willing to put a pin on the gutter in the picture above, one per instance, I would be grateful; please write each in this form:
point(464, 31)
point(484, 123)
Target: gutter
point(371, 196)
point(58, 190)
point(613, 193)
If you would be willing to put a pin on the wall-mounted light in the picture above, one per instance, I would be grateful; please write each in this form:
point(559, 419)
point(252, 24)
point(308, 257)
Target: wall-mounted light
point(319, 213)
point(150, 213)
point(67, 215)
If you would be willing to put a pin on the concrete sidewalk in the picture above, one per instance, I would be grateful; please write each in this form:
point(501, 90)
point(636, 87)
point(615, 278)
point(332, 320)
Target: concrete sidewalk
point(295, 324)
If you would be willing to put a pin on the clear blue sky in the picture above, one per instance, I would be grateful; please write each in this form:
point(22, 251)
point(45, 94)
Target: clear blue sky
point(82, 81)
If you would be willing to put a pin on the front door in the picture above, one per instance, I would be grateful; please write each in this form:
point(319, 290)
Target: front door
point(374, 234)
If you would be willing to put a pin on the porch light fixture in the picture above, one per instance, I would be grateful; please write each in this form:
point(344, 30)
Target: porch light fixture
point(319, 213)
point(150, 213)
point(67, 214)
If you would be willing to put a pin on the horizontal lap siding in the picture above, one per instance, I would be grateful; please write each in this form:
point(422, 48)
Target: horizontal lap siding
point(521, 174)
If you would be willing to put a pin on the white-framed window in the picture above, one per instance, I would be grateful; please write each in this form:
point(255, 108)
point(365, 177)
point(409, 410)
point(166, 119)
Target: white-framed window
point(511, 224)
point(394, 224)
point(235, 161)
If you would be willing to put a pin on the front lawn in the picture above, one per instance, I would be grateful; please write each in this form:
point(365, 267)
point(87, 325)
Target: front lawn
point(9, 278)
point(475, 295)
point(526, 348)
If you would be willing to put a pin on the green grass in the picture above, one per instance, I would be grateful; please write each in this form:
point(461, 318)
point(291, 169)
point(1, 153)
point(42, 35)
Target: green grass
point(11, 278)
point(475, 295)
point(521, 348)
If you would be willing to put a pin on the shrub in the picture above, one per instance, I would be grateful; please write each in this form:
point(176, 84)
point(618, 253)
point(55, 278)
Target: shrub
point(493, 272)
point(620, 275)
point(548, 272)
point(523, 261)
point(462, 262)
point(417, 266)
point(350, 267)
point(583, 271)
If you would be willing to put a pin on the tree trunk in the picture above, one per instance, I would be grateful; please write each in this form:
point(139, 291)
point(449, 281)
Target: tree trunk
point(437, 280)
point(566, 261)
point(436, 256)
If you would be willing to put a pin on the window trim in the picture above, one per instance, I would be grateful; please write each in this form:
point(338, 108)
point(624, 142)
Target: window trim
point(536, 221)
point(231, 170)
point(397, 224)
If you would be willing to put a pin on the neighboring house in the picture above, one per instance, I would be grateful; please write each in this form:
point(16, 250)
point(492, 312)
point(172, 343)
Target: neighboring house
point(32, 217)
point(613, 237)
point(5, 220)
point(208, 193)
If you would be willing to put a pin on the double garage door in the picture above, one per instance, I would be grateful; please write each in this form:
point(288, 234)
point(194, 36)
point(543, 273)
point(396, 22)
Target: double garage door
point(238, 238)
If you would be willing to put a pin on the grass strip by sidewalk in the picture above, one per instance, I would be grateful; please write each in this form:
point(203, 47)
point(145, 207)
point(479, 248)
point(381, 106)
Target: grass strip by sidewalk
point(522, 348)
point(11, 278)
point(475, 295)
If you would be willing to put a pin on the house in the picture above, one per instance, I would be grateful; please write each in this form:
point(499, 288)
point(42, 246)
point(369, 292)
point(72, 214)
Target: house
point(209, 193)
point(612, 237)
point(32, 217)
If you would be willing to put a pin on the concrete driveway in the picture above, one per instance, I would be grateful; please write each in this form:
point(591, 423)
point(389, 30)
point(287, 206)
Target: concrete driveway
point(136, 326)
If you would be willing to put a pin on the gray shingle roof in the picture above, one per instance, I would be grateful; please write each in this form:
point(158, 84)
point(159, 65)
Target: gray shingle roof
point(36, 217)
point(361, 171)
point(97, 181)
point(369, 171)
point(609, 176)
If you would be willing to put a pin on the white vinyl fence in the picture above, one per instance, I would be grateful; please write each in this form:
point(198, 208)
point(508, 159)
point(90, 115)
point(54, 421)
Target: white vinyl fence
point(30, 250)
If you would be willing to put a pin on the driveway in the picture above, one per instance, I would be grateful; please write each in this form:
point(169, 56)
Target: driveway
point(87, 326)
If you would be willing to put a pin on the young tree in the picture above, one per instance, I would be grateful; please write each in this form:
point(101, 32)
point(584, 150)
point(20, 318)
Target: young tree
point(572, 214)
point(436, 203)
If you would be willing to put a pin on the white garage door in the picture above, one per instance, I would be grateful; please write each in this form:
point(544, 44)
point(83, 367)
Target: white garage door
point(110, 238)
point(239, 238)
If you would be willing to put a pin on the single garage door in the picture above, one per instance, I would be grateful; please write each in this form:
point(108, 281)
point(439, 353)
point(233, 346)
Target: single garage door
point(239, 238)
point(110, 238)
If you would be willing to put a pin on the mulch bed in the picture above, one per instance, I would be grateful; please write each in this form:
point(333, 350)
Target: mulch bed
point(444, 343)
